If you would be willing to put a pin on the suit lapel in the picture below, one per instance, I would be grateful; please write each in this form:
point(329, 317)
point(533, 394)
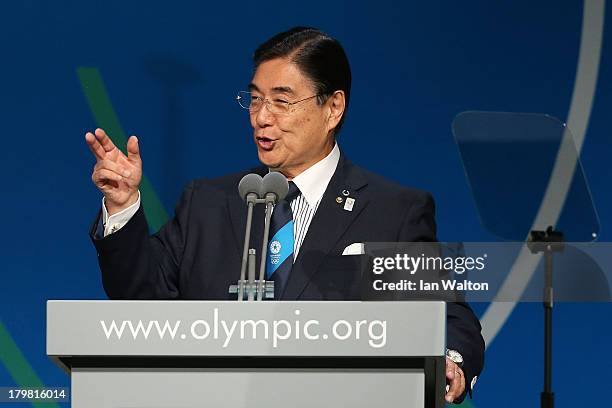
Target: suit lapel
point(328, 225)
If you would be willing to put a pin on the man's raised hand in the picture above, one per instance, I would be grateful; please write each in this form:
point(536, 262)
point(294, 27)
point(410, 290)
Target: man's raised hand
point(116, 175)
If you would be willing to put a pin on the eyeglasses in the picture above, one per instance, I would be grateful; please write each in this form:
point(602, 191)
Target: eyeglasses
point(277, 106)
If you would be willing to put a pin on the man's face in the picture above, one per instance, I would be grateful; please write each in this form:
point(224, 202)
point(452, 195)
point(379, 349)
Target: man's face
point(294, 141)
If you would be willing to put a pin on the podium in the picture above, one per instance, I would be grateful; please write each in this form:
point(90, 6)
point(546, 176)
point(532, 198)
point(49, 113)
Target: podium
point(250, 354)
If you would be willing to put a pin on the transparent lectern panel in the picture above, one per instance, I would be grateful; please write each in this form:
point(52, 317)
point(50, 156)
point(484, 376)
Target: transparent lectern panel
point(525, 174)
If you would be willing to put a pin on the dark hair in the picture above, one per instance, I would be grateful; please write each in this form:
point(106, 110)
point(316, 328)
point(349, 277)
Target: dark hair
point(320, 57)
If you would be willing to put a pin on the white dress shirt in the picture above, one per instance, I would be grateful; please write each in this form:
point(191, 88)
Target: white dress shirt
point(312, 183)
point(116, 221)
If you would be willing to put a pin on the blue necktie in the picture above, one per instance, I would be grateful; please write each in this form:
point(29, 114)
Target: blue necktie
point(280, 246)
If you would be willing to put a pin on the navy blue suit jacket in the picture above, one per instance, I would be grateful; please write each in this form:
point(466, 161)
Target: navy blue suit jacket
point(197, 254)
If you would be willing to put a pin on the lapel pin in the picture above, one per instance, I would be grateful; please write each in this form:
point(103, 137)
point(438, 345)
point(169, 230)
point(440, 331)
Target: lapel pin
point(348, 205)
point(339, 200)
point(345, 193)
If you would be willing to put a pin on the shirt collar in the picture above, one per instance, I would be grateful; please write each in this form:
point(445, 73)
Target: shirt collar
point(313, 181)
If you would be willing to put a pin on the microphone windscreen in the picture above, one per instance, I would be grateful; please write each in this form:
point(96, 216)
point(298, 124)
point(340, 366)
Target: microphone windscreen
point(251, 183)
point(275, 182)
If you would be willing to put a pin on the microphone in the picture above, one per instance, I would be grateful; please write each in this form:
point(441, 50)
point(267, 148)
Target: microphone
point(248, 188)
point(274, 187)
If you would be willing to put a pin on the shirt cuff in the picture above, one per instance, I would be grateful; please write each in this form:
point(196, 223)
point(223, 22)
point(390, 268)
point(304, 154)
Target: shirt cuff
point(115, 222)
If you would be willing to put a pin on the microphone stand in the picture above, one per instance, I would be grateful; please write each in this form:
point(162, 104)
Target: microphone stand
point(250, 284)
point(251, 277)
point(274, 186)
point(270, 200)
point(251, 200)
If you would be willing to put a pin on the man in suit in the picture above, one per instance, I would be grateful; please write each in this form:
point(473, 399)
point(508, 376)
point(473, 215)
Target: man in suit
point(296, 101)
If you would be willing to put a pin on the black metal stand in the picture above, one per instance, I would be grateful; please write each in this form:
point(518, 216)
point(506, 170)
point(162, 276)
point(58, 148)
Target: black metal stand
point(547, 242)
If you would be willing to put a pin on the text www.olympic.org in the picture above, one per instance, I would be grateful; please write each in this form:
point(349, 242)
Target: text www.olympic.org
point(276, 331)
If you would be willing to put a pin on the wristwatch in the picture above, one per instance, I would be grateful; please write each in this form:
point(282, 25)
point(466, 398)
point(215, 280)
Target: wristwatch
point(455, 357)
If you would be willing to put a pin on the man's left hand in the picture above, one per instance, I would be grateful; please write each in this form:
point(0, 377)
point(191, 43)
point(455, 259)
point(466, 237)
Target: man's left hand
point(455, 380)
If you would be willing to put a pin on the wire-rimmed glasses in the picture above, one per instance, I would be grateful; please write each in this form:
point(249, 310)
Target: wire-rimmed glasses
point(253, 103)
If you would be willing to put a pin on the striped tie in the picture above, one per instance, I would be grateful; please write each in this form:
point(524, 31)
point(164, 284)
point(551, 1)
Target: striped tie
point(280, 246)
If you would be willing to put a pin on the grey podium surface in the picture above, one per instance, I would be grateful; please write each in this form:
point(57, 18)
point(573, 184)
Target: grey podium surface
point(238, 354)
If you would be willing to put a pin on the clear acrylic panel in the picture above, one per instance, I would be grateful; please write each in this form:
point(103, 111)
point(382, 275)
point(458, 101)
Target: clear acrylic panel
point(525, 174)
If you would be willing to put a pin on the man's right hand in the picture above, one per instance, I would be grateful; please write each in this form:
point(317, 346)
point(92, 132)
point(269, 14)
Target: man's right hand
point(115, 175)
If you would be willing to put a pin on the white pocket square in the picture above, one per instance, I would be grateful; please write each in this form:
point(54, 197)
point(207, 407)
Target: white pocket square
point(355, 248)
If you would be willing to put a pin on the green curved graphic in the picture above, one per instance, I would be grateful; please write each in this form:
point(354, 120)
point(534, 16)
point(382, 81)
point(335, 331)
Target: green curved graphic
point(18, 366)
point(106, 118)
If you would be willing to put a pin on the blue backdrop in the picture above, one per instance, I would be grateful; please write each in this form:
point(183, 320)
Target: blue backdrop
point(172, 71)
